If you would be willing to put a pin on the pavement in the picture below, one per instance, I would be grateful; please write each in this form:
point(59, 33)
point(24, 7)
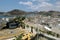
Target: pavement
point(8, 33)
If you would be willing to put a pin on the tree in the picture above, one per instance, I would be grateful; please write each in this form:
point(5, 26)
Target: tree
point(27, 26)
point(18, 18)
point(57, 35)
point(31, 29)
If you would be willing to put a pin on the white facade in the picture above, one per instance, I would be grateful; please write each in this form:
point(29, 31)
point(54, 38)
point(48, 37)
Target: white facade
point(5, 19)
point(47, 28)
point(29, 30)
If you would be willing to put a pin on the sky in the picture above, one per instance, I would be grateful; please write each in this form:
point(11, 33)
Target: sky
point(29, 5)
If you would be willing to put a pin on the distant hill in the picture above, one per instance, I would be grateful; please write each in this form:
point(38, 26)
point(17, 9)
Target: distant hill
point(50, 13)
point(20, 12)
point(16, 12)
point(1, 13)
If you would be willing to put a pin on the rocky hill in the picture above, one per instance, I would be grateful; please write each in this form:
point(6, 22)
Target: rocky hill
point(20, 12)
point(50, 13)
point(16, 12)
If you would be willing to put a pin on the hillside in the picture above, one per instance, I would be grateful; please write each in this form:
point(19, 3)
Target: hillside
point(1, 13)
point(16, 12)
point(20, 12)
point(50, 13)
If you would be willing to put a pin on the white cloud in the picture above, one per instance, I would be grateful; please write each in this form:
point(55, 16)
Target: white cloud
point(33, 0)
point(58, 3)
point(58, 6)
point(34, 7)
point(42, 5)
point(40, 0)
point(25, 3)
point(45, 4)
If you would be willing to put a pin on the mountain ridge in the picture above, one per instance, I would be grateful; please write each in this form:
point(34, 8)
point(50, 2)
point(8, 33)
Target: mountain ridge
point(21, 12)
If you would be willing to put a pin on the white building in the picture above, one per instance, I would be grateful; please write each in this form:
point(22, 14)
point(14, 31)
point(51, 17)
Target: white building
point(47, 28)
point(5, 19)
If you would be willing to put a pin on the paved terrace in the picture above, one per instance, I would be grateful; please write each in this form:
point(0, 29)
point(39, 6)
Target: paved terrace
point(8, 33)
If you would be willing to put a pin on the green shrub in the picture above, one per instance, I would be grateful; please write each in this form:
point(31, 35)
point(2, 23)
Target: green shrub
point(27, 26)
point(57, 35)
point(19, 37)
